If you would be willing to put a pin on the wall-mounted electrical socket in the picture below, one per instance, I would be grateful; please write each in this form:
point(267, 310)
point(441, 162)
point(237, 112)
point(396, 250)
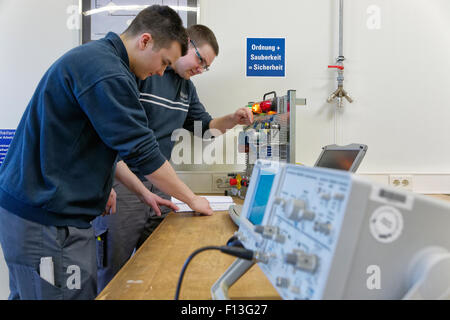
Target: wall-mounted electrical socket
point(220, 182)
point(401, 181)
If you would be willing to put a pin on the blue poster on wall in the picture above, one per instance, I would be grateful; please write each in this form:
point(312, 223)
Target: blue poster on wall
point(266, 57)
point(6, 136)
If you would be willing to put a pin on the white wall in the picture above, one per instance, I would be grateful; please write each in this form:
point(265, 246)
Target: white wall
point(398, 74)
point(34, 34)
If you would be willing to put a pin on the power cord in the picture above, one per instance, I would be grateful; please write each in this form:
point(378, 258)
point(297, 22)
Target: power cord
point(233, 251)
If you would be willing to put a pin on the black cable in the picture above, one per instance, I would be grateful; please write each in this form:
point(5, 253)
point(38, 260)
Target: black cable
point(180, 279)
point(234, 251)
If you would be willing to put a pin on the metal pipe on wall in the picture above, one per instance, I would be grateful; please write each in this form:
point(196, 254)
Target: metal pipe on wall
point(341, 27)
point(340, 93)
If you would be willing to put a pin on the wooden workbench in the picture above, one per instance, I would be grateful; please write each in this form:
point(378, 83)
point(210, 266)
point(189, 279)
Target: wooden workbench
point(153, 271)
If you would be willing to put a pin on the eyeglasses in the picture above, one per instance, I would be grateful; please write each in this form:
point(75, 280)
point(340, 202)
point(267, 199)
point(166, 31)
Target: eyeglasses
point(202, 61)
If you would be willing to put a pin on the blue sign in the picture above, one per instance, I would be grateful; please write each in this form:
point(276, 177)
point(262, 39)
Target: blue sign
point(266, 57)
point(6, 137)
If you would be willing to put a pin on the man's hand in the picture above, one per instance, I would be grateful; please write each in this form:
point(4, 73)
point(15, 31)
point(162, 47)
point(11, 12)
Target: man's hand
point(154, 201)
point(243, 116)
point(111, 204)
point(200, 205)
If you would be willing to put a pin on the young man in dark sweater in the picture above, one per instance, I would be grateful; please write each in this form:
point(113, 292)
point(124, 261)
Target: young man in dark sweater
point(58, 173)
point(171, 102)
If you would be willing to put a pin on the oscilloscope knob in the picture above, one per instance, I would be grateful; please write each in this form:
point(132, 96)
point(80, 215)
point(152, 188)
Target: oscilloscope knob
point(308, 215)
point(292, 208)
point(302, 260)
point(279, 201)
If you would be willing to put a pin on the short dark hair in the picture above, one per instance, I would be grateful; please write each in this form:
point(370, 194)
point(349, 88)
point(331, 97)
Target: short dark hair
point(203, 35)
point(163, 23)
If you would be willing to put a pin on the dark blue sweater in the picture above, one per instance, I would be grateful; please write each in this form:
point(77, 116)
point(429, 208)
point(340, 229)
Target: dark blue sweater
point(84, 112)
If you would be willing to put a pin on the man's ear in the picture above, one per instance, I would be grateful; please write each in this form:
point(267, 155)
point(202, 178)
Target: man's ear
point(145, 40)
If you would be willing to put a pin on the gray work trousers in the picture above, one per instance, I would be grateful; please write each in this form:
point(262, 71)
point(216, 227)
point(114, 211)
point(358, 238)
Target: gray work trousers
point(72, 250)
point(119, 235)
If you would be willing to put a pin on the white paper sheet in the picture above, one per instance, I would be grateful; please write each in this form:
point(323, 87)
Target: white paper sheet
point(217, 203)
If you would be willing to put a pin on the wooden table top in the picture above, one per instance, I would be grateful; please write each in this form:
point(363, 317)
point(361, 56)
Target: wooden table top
point(153, 271)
